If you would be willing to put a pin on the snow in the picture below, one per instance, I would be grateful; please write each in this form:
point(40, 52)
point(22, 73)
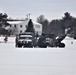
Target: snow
point(15, 22)
point(37, 61)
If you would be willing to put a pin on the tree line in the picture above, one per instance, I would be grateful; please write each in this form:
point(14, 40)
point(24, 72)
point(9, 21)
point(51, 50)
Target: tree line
point(3, 24)
point(59, 26)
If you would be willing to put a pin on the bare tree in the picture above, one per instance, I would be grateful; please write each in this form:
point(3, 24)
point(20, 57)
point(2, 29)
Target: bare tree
point(42, 20)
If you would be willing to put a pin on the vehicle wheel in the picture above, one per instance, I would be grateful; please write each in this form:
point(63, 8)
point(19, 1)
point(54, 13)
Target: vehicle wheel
point(61, 45)
point(16, 45)
point(31, 46)
point(45, 46)
point(19, 46)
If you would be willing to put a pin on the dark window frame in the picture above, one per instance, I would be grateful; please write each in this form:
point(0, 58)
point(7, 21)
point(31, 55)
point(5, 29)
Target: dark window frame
point(20, 31)
point(15, 25)
point(20, 26)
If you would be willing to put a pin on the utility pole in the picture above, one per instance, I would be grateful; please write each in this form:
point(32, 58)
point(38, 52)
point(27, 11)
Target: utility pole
point(28, 16)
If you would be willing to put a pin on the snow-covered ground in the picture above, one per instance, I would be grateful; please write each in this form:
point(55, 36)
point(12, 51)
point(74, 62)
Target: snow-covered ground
point(37, 61)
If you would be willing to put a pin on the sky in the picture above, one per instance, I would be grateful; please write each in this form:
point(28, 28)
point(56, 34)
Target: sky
point(51, 9)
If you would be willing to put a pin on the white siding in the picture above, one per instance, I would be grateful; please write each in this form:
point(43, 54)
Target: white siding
point(37, 26)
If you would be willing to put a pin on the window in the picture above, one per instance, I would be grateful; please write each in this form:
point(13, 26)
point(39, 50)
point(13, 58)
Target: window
point(37, 26)
point(21, 26)
point(25, 26)
point(20, 31)
point(15, 25)
point(10, 25)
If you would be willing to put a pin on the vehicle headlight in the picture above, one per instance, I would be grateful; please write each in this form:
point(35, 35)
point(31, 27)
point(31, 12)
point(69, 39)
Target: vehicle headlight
point(27, 42)
point(24, 42)
point(20, 41)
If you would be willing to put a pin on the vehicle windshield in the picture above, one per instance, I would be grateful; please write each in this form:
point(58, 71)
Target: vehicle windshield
point(25, 37)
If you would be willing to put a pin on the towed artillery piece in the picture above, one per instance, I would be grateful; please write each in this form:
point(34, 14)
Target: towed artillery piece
point(50, 40)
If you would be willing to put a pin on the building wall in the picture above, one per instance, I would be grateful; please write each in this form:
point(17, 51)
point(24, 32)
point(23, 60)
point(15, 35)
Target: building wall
point(38, 28)
point(20, 27)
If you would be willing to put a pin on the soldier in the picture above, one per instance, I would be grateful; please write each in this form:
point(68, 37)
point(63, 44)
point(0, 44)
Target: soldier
point(6, 38)
point(42, 42)
point(16, 40)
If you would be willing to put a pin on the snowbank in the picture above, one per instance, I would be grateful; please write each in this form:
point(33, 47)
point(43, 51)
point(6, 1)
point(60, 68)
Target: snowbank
point(37, 61)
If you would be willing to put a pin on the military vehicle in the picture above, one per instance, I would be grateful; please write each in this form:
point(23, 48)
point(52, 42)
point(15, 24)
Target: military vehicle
point(50, 40)
point(24, 40)
point(55, 41)
point(29, 40)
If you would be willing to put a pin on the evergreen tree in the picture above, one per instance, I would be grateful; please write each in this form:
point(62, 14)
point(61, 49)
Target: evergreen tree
point(69, 23)
point(3, 24)
point(30, 27)
point(67, 20)
point(3, 20)
point(36, 35)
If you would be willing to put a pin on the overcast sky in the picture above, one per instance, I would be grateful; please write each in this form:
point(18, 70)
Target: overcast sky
point(51, 9)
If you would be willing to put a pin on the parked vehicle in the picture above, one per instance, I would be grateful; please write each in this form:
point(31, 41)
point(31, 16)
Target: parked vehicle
point(29, 40)
point(24, 40)
point(41, 41)
point(50, 40)
point(55, 41)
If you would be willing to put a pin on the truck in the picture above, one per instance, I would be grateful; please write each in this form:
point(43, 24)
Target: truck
point(24, 40)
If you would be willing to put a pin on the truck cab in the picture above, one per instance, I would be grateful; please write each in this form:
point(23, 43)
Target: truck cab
point(24, 40)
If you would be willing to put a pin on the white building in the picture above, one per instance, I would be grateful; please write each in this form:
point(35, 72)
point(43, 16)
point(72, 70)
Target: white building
point(17, 27)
